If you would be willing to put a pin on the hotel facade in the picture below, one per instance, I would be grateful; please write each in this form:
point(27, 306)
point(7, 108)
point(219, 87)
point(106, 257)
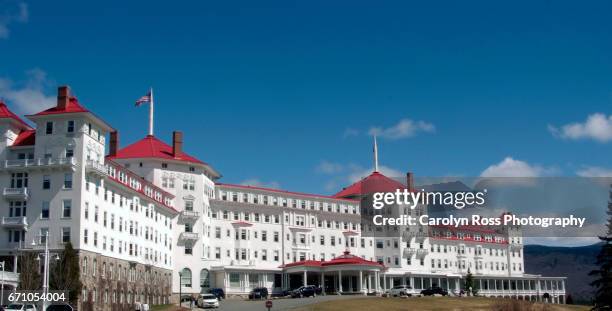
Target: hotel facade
point(150, 221)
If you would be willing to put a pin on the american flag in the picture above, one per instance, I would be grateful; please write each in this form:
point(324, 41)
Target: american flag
point(144, 99)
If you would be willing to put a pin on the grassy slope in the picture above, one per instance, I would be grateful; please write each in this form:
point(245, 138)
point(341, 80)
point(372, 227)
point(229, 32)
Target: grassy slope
point(425, 303)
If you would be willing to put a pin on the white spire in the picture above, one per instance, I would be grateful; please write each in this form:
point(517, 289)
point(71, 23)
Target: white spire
point(375, 155)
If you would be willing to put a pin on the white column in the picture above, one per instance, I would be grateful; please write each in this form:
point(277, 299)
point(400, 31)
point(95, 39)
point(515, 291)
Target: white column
point(340, 280)
point(305, 279)
point(322, 283)
point(360, 281)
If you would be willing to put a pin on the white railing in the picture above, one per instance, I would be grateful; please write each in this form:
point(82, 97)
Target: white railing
point(408, 252)
point(97, 166)
point(21, 192)
point(421, 252)
point(40, 162)
point(14, 221)
point(190, 214)
point(189, 236)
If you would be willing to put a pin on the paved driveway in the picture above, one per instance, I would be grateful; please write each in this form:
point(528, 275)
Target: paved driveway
point(278, 304)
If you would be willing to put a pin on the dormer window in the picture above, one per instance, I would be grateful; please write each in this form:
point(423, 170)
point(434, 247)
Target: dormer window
point(49, 128)
point(70, 126)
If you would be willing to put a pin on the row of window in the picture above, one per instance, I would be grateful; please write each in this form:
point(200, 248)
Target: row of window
point(252, 198)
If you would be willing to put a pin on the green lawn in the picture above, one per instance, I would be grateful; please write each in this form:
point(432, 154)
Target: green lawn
point(434, 303)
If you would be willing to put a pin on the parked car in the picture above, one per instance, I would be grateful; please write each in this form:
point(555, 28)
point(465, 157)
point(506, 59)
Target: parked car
point(304, 291)
point(434, 291)
point(400, 290)
point(20, 307)
point(60, 307)
point(208, 301)
point(259, 293)
point(218, 292)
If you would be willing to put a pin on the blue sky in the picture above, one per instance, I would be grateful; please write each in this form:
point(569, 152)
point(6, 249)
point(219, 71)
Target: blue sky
point(286, 93)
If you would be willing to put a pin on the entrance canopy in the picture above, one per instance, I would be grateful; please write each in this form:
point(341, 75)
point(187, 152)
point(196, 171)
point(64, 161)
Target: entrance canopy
point(346, 261)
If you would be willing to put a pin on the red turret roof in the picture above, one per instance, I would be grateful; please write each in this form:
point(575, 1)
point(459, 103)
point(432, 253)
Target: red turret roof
point(25, 138)
point(152, 147)
point(375, 182)
point(6, 113)
point(72, 107)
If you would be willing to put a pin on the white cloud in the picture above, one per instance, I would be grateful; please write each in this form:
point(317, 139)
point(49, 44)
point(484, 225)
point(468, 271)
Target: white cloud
point(597, 126)
point(11, 14)
point(254, 182)
point(29, 96)
point(594, 171)
point(327, 167)
point(510, 167)
point(359, 173)
point(403, 129)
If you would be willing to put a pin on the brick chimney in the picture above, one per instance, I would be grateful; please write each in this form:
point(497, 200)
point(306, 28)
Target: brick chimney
point(63, 96)
point(410, 181)
point(114, 143)
point(177, 143)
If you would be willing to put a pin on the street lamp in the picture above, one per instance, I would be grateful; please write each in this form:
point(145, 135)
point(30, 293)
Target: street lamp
point(180, 288)
point(2, 288)
point(45, 281)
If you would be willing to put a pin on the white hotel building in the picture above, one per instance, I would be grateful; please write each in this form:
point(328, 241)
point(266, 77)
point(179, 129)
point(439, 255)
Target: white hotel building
point(149, 220)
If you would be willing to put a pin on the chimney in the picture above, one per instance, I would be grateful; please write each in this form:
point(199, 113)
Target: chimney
point(177, 143)
point(63, 96)
point(114, 143)
point(410, 181)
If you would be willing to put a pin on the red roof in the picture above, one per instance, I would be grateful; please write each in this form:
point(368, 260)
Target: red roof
point(349, 259)
point(72, 106)
point(304, 263)
point(283, 191)
point(345, 259)
point(152, 147)
point(25, 138)
point(6, 113)
point(375, 182)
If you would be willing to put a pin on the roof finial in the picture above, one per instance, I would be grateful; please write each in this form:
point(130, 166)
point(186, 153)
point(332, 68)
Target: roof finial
point(375, 154)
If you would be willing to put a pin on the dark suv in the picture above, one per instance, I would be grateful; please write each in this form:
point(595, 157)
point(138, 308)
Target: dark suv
point(304, 291)
point(218, 292)
point(434, 291)
point(259, 293)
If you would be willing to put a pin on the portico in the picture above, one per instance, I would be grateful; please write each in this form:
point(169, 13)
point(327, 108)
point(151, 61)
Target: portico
point(345, 274)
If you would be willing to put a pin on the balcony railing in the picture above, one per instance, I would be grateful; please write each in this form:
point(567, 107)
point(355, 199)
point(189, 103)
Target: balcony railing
point(191, 236)
point(15, 222)
point(408, 252)
point(15, 193)
point(190, 215)
point(40, 162)
point(422, 252)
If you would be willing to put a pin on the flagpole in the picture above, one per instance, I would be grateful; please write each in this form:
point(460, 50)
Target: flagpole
point(151, 113)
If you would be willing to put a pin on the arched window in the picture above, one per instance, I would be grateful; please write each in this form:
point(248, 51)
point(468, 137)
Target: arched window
point(186, 277)
point(204, 279)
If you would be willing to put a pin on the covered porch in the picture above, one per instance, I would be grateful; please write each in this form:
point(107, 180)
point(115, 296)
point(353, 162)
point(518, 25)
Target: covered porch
point(346, 274)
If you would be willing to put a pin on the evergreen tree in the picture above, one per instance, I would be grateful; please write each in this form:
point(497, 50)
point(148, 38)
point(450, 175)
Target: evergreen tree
point(603, 281)
point(65, 273)
point(28, 267)
point(470, 285)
